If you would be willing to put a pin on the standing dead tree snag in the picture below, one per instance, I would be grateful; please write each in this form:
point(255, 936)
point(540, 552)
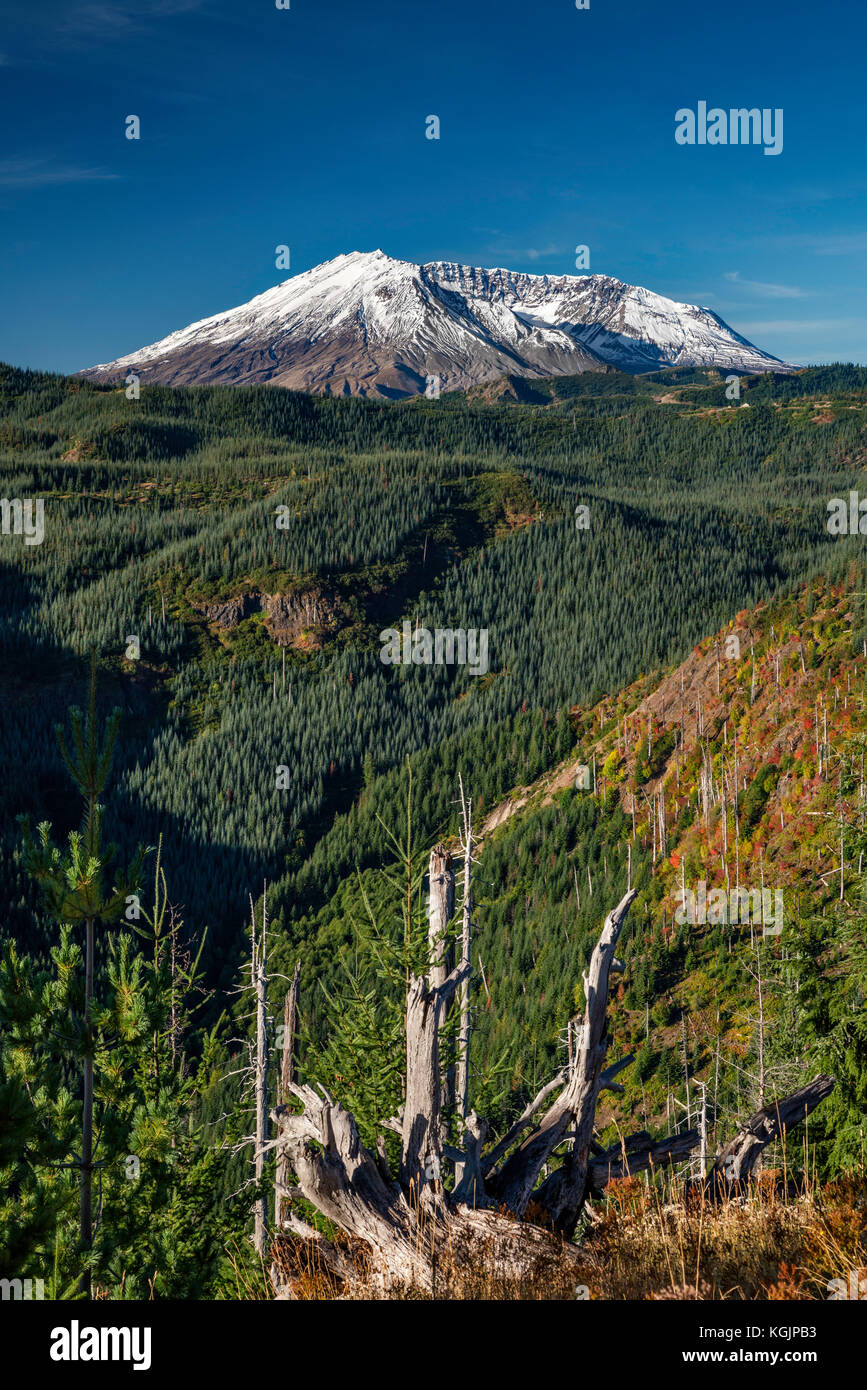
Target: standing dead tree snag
point(286, 1046)
point(441, 906)
point(421, 1130)
point(255, 1073)
point(463, 1067)
point(259, 982)
point(468, 1186)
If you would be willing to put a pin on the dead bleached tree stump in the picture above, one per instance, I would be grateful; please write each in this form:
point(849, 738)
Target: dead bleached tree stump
point(408, 1220)
point(412, 1224)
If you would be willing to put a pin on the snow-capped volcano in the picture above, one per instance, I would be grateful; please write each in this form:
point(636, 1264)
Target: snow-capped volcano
point(364, 324)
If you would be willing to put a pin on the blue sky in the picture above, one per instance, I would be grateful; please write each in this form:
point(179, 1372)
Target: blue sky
point(306, 127)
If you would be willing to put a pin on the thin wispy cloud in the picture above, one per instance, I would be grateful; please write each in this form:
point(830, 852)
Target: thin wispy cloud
point(535, 253)
point(58, 26)
point(104, 22)
point(765, 288)
point(40, 173)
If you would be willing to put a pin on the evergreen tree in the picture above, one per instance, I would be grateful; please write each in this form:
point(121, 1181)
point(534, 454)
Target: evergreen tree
point(73, 882)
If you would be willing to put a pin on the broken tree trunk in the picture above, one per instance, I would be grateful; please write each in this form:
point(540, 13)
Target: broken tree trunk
point(737, 1159)
point(441, 906)
point(635, 1154)
point(421, 1146)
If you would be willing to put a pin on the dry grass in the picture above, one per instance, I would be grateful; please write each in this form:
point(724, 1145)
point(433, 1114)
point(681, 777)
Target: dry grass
point(643, 1243)
point(764, 1245)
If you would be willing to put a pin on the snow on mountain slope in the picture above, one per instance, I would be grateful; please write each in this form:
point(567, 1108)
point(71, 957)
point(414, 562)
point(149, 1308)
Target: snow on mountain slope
point(630, 327)
point(365, 324)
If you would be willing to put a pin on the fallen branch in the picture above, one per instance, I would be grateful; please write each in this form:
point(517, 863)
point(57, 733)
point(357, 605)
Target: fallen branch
point(736, 1160)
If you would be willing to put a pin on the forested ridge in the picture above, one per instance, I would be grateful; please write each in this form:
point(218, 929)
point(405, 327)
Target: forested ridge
point(169, 501)
point(259, 650)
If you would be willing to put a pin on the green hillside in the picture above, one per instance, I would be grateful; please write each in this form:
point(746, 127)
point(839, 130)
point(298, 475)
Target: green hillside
point(663, 604)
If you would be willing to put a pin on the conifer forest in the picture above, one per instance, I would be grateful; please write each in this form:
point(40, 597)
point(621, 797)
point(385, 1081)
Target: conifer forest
point(327, 976)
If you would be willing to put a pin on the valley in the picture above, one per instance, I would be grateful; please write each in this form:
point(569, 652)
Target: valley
point(697, 649)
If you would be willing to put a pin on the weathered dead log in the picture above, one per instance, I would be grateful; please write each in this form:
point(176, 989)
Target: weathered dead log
point(736, 1160)
point(637, 1153)
point(404, 1222)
